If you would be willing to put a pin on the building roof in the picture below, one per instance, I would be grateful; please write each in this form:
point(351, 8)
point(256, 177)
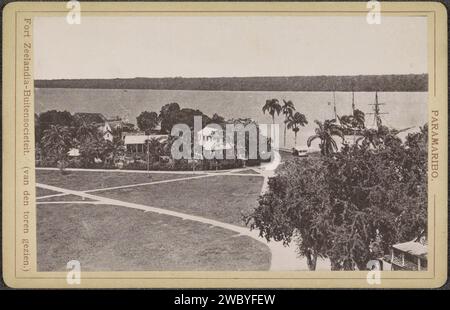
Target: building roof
point(402, 135)
point(216, 146)
point(90, 118)
point(74, 152)
point(209, 130)
point(115, 123)
point(141, 139)
point(216, 143)
point(412, 247)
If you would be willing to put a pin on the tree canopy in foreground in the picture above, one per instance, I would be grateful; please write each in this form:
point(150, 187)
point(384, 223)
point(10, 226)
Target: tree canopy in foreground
point(350, 207)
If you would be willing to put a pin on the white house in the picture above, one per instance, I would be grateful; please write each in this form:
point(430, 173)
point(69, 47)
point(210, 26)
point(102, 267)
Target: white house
point(107, 132)
point(135, 143)
point(211, 138)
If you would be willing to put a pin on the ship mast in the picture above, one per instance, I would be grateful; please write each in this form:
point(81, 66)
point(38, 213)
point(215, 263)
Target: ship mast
point(353, 102)
point(334, 106)
point(377, 111)
point(353, 114)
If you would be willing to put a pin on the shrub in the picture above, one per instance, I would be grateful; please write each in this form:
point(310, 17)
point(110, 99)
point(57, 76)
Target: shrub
point(175, 165)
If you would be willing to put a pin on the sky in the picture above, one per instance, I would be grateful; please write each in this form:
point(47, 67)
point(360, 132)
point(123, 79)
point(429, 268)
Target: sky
point(193, 46)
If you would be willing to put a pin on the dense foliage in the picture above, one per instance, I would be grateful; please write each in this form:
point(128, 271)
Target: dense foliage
point(352, 206)
point(59, 134)
point(147, 121)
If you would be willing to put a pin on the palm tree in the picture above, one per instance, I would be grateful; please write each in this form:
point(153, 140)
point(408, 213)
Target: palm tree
point(287, 109)
point(93, 149)
point(296, 120)
point(112, 151)
point(85, 131)
point(272, 106)
point(167, 145)
point(380, 136)
point(325, 132)
point(57, 140)
point(155, 148)
point(358, 119)
point(354, 121)
point(352, 124)
point(369, 137)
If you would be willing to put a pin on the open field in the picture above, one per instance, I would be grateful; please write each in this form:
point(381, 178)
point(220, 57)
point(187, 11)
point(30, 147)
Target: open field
point(44, 192)
point(223, 198)
point(111, 238)
point(62, 198)
point(85, 180)
point(115, 237)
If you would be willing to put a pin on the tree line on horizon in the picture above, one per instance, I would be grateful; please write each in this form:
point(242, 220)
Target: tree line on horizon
point(358, 83)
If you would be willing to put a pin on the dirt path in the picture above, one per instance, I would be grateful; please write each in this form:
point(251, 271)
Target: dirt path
point(283, 258)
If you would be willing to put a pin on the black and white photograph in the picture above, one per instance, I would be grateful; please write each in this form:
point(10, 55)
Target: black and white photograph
point(231, 143)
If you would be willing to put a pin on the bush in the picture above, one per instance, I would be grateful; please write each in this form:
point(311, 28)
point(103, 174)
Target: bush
point(181, 164)
point(136, 165)
point(45, 162)
point(253, 162)
point(75, 163)
point(176, 165)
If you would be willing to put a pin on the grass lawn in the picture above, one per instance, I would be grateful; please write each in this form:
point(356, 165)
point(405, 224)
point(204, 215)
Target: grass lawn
point(86, 180)
point(65, 198)
point(249, 171)
point(110, 238)
point(44, 191)
point(223, 198)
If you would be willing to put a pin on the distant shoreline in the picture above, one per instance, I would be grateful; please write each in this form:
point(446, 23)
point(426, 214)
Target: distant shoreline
point(358, 83)
point(227, 91)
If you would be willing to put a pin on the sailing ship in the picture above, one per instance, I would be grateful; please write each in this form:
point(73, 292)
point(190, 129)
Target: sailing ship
point(353, 125)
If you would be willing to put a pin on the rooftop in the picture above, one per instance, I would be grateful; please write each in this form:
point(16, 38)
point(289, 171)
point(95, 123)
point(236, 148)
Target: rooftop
point(412, 247)
point(142, 139)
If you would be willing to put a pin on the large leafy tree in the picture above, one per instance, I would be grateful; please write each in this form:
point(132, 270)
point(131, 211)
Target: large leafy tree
point(349, 208)
point(294, 209)
point(147, 121)
point(171, 114)
point(379, 195)
point(294, 122)
point(54, 117)
point(325, 132)
point(168, 116)
point(287, 109)
point(186, 116)
point(272, 106)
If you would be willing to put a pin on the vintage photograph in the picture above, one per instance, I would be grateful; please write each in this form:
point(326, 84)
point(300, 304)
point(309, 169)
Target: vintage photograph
point(231, 143)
